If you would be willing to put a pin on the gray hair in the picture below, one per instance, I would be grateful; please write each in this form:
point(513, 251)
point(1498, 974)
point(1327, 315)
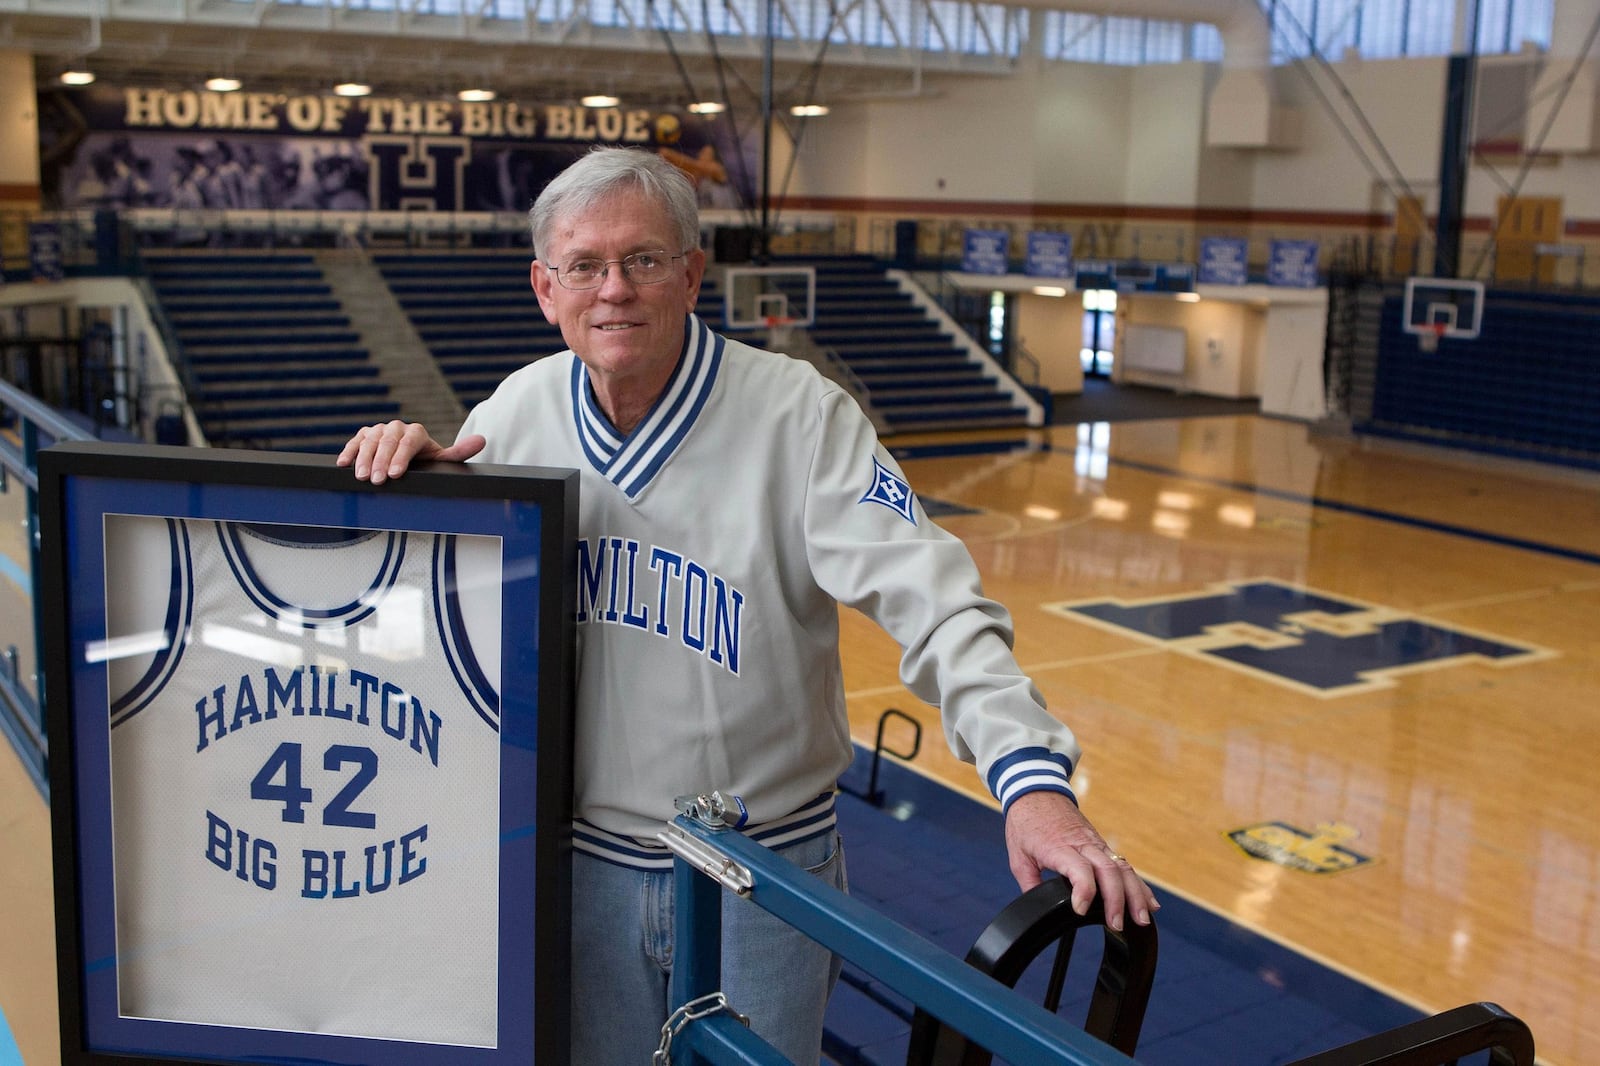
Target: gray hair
point(605, 171)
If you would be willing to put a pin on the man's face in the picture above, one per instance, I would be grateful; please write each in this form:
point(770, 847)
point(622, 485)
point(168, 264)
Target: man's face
point(620, 329)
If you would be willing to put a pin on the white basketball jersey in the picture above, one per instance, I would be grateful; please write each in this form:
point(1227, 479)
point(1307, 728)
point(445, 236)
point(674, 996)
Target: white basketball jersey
point(305, 779)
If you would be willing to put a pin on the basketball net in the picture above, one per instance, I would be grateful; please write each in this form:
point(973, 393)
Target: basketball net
point(1428, 338)
point(778, 331)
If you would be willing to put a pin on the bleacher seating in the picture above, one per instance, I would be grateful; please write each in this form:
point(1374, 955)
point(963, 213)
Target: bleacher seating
point(476, 312)
point(916, 374)
point(270, 357)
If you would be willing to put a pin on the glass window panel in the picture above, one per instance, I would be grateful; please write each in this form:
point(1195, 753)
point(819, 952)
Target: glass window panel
point(1382, 32)
point(1163, 42)
point(1530, 21)
point(1291, 27)
point(740, 17)
point(1206, 42)
point(1429, 27)
point(1050, 35)
point(1337, 23)
point(1124, 40)
point(1494, 25)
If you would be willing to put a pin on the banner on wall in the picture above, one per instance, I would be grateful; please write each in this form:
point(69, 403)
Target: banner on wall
point(44, 251)
point(985, 251)
point(1293, 264)
point(1224, 261)
point(135, 147)
point(1049, 255)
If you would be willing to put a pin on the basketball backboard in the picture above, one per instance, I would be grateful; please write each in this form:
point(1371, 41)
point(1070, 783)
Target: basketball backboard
point(1443, 307)
point(770, 297)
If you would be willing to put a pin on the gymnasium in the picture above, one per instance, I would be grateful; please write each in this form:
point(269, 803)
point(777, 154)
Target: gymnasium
point(1252, 347)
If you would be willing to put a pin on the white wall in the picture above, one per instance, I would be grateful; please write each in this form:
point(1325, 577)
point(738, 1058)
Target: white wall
point(1081, 132)
point(1223, 342)
point(1402, 99)
point(1051, 328)
point(973, 143)
point(1166, 120)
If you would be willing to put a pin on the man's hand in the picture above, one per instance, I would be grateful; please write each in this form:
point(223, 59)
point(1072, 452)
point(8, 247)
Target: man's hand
point(1046, 831)
point(384, 451)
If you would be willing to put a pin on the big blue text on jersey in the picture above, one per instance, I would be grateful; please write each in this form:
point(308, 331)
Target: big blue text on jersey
point(691, 604)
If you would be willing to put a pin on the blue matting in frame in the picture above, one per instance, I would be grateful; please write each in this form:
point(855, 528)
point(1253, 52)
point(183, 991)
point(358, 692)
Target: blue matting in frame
point(320, 774)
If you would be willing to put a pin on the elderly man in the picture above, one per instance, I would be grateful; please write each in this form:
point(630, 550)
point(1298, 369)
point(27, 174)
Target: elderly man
point(730, 500)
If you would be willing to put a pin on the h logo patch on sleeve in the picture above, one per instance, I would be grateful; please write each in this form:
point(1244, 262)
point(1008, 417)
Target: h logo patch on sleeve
point(891, 490)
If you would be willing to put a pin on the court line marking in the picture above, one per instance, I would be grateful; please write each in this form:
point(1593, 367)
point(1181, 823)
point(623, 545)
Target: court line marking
point(1232, 919)
point(15, 574)
point(1216, 638)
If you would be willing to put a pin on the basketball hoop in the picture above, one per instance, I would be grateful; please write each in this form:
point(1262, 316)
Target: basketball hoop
point(778, 331)
point(1429, 335)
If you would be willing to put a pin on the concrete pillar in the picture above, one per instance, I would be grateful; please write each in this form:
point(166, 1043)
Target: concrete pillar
point(19, 132)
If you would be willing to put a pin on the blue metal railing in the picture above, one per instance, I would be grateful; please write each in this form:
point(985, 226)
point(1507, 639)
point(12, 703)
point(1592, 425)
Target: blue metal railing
point(712, 860)
point(36, 426)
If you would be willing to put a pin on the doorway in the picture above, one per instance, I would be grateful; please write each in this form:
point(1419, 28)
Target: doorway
point(1099, 332)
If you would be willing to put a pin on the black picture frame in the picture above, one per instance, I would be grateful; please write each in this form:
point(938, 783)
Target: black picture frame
point(95, 498)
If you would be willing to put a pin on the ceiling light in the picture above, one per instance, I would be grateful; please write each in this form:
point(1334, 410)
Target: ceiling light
point(353, 88)
point(77, 77)
point(475, 96)
point(222, 85)
point(1048, 290)
point(808, 110)
point(1189, 297)
point(600, 100)
point(708, 107)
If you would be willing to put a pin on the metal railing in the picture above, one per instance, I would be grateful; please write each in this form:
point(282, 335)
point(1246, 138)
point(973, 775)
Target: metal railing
point(34, 426)
point(712, 860)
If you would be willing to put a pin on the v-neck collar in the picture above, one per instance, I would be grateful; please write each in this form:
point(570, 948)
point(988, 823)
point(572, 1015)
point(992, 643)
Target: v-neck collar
point(631, 462)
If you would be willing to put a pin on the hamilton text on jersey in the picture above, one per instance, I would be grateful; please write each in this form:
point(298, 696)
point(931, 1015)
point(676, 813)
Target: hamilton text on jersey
point(284, 780)
point(692, 605)
point(317, 691)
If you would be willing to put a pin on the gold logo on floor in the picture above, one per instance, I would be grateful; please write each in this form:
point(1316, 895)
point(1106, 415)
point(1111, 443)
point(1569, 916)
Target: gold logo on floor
point(1320, 852)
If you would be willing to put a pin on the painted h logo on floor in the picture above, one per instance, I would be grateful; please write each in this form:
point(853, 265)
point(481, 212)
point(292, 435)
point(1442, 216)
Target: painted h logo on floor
point(1314, 642)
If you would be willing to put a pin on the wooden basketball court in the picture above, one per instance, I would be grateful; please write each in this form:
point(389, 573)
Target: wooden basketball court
point(1425, 826)
point(1422, 824)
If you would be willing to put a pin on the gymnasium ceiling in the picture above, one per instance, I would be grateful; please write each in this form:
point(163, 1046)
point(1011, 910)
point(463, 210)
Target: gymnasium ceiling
point(297, 49)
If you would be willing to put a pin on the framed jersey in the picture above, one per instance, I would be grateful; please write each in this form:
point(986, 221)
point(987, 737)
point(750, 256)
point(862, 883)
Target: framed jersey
point(311, 759)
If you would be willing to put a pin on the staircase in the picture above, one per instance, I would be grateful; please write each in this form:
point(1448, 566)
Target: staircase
point(474, 310)
point(403, 359)
point(272, 359)
point(919, 370)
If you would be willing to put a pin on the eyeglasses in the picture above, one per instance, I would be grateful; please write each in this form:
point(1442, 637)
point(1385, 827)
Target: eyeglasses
point(641, 268)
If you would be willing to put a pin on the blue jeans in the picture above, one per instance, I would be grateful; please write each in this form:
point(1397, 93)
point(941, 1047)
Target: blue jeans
point(622, 960)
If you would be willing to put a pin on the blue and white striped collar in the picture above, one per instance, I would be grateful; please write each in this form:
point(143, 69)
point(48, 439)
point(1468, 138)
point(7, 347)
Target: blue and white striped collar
point(632, 462)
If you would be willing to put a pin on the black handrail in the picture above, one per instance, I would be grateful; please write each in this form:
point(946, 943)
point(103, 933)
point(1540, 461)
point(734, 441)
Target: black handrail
point(1439, 1040)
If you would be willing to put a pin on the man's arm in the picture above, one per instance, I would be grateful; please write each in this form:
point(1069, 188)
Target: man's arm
point(1046, 831)
point(385, 451)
